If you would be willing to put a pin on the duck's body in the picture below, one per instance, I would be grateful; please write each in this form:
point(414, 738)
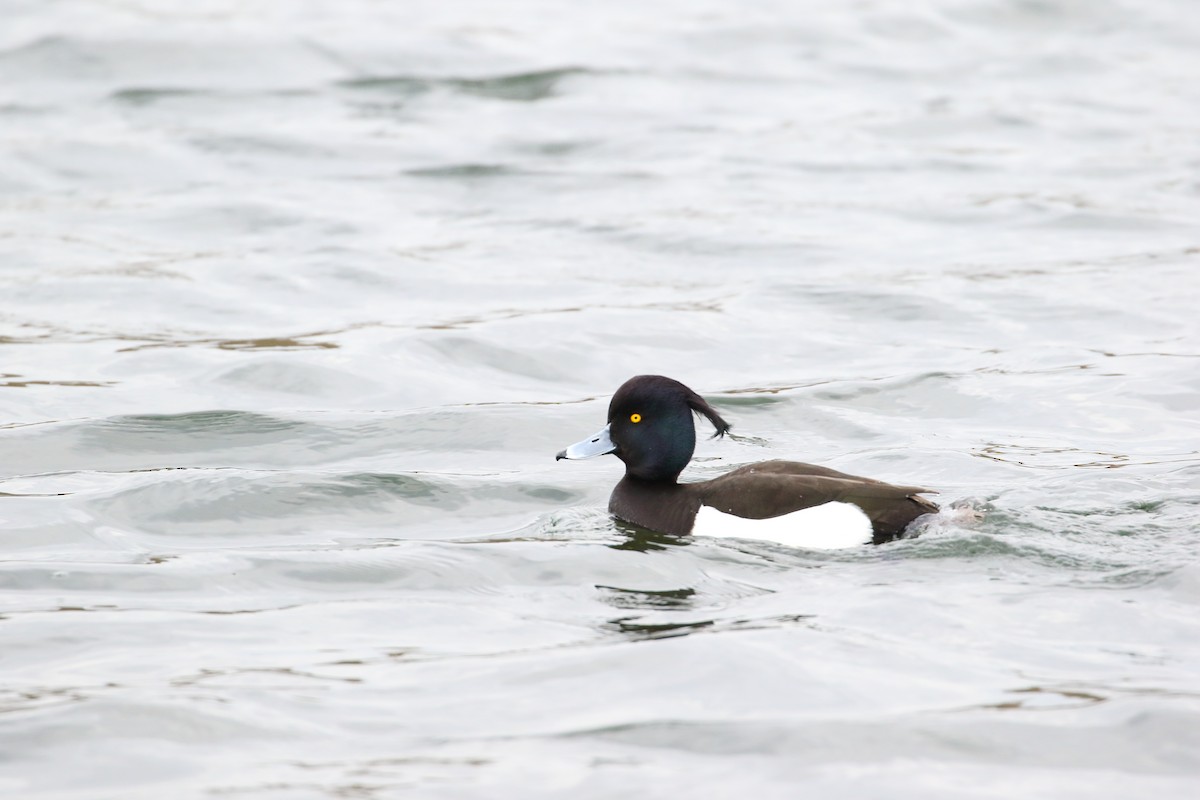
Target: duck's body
point(650, 428)
point(769, 490)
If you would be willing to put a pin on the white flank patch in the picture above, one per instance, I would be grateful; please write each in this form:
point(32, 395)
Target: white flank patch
point(831, 526)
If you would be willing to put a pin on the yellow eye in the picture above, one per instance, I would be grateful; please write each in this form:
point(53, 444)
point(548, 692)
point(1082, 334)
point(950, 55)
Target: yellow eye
point(635, 418)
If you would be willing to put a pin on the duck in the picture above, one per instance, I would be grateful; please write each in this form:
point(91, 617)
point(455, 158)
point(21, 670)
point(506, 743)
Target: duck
point(651, 429)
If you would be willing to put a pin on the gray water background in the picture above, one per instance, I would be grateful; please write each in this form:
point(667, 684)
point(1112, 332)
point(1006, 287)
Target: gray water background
point(299, 299)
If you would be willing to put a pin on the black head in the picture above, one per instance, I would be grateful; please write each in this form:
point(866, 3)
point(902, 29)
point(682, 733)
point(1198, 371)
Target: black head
point(650, 422)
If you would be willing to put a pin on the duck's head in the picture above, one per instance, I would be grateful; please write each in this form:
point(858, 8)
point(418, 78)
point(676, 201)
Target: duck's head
point(650, 428)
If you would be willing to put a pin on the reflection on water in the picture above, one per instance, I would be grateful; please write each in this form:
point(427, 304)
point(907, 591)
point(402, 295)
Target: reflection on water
point(644, 540)
point(646, 598)
point(1043, 698)
point(636, 629)
point(524, 87)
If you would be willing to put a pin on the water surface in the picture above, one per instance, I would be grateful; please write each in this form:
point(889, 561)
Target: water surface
point(298, 301)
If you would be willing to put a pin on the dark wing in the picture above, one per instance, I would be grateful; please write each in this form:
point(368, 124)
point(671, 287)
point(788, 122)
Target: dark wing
point(798, 468)
point(775, 488)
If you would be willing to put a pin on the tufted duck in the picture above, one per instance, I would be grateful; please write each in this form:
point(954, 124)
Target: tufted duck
point(650, 428)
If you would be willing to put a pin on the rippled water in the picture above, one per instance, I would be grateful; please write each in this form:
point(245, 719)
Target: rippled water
point(298, 300)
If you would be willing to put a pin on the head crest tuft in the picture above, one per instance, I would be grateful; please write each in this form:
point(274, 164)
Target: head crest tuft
point(701, 407)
